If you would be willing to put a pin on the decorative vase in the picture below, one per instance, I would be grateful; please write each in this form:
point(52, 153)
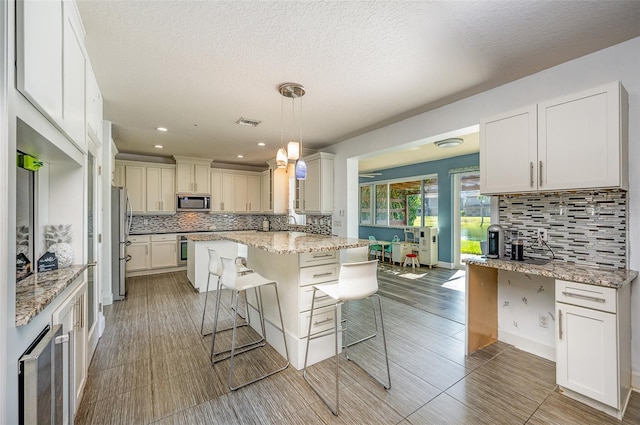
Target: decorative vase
point(58, 238)
point(64, 253)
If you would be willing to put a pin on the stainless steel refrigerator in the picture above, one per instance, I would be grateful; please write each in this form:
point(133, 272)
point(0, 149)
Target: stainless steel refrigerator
point(120, 227)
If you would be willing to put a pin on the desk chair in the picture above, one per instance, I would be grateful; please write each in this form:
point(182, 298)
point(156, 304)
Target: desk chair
point(356, 281)
point(230, 279)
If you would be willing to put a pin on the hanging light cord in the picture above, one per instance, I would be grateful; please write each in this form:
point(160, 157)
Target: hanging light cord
point(301, 127)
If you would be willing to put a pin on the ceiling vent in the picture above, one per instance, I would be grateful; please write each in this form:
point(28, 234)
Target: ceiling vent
point(248, 122)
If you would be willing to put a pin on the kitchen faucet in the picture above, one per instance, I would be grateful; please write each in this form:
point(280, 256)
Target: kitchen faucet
point(295, 222)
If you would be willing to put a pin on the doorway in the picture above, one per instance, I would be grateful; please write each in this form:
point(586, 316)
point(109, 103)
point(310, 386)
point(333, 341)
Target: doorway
point(471, 216)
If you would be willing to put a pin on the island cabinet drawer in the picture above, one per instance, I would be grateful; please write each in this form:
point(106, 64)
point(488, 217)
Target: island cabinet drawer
point(139, 239)
point(323, 319)
point(319, 274)
point(306, 294)
point(307, 259)
point(590, 296)
point(163, 238)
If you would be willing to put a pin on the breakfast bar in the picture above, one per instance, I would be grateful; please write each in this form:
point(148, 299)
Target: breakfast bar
point(296, 261)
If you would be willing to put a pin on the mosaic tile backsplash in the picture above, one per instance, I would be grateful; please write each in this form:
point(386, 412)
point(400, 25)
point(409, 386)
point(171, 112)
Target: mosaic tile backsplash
point(202, 221)
point(599, 240)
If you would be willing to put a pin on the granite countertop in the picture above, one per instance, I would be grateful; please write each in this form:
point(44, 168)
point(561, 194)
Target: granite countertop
point(285, 242)
point(36, 292)
point(614, 278)
point(178, 232)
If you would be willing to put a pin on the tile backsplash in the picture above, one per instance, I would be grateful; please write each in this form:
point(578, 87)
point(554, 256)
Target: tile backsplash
point(202, 221)
point(576, 237)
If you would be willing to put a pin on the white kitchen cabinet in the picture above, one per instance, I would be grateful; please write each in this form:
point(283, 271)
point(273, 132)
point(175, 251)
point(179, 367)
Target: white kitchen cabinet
point(94, 104)
point(192, 175)
point(235, 191)
point(140, 252)
point(582, 141)
point(72, 315)
point(228, 192)
point(317, 190)
point(73, 77)
point(39, 54)
point(574, 142)
point(274, 190)
point(593, 348)
point(136, 184)
point(119, 176)
point(164, 251)
point(160, 190)
point(222, 191)
point(246, 191)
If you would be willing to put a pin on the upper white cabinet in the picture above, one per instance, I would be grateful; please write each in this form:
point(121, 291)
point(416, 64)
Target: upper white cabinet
point(274, 189)
point(135, 178)
point(316, 192)
point(246, 193)
point(94, 105)
point(51, 63)
point(573, 142)
point(192, 175)
point(235, 191)
point(160, 189)
point(73, 75)
point(39, 54)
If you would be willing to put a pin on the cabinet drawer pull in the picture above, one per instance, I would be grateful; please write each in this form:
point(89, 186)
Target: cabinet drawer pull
point(322, 256)
point(531, 174)
point(322, 274)
point(328, 319)
point(560, 324)
point(584, 297)
point(322, 297)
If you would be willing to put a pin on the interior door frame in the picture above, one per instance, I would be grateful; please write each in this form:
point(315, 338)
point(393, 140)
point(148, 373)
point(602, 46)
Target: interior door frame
point(95, 331)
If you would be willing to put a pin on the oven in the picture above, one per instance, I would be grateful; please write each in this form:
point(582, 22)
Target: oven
point(182, 250)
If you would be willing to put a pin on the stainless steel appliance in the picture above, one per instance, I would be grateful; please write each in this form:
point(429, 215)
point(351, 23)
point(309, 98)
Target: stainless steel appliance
point(193, 202)
point(495, 241)
point(182, 250)
point(121, 217)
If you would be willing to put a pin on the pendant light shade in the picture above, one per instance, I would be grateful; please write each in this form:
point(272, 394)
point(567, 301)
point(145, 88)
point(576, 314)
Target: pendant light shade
point(293, 150)
point(281, 158)
point(301, 169)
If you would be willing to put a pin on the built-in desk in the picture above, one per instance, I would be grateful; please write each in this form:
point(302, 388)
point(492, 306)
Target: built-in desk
point(590, 313)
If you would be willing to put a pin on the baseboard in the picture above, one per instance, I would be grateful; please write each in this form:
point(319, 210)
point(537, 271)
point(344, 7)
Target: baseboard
point(445, 265)
point(528, 345)
point(155, 271)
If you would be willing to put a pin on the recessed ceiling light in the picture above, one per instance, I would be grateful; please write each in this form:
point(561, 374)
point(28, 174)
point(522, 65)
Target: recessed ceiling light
point(240, 156)
point(262, 144)
point(158, 146)
point(248, 122)
point(449, 143)
point(163, 129)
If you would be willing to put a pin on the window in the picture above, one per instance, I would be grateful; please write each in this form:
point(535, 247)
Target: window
point(401, 203)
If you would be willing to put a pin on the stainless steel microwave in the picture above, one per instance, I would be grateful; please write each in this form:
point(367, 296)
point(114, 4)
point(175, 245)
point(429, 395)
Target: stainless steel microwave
point(193, 203)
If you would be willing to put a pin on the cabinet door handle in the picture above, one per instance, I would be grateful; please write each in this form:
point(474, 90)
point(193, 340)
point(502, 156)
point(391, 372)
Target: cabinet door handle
point(560, 324)
point(540, 175)
point(322, 256)
point(196, 186)
point(221, 206)
point(328, 319)
point(322, 274)
point(531, 174)
point(584, 297)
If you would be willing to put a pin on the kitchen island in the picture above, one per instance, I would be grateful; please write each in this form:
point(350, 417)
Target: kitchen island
point(296, 261)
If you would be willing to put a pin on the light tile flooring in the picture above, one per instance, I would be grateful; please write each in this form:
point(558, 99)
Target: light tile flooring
point(152, 366)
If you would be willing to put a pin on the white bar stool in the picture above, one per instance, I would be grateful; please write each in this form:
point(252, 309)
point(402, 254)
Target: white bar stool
point(230, 279)
point(215, 269)
point(356, 281)
point(411, 258)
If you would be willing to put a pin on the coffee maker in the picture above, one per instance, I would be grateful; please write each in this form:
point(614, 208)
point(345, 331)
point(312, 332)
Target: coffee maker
point(495, 241)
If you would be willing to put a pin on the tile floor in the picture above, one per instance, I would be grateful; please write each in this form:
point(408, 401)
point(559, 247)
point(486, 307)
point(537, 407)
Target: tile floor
point(152, 366)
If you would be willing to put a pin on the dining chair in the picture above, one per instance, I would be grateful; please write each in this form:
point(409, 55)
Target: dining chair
point(215, 270)
point(230, 279)
point(356, 281)
point(375, 248)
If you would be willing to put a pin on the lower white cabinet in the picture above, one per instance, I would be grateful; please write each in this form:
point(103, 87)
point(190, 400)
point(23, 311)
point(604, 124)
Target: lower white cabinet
point(72, 315)
point(593, 348)
point(139, 250)
point(164, 251)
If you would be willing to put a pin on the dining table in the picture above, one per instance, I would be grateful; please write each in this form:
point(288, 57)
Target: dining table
point(383, 245)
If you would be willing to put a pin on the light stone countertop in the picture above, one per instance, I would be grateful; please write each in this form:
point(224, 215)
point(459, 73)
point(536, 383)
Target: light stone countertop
point(614, 278)
point(36, 292)
point(284, 242)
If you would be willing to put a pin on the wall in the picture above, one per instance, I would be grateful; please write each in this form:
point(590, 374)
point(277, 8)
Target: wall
point(620, 62)
point(445, 199)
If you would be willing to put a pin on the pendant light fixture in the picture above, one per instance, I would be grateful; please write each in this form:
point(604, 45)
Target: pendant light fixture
point(294, 149)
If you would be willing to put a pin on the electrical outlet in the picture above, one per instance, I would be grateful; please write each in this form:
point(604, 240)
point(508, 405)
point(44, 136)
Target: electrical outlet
point(543, 321)
point(542, 236)
point(146, 221)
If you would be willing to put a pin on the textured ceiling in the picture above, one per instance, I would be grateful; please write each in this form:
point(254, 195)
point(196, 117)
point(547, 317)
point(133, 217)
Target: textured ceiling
point(195, 67)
